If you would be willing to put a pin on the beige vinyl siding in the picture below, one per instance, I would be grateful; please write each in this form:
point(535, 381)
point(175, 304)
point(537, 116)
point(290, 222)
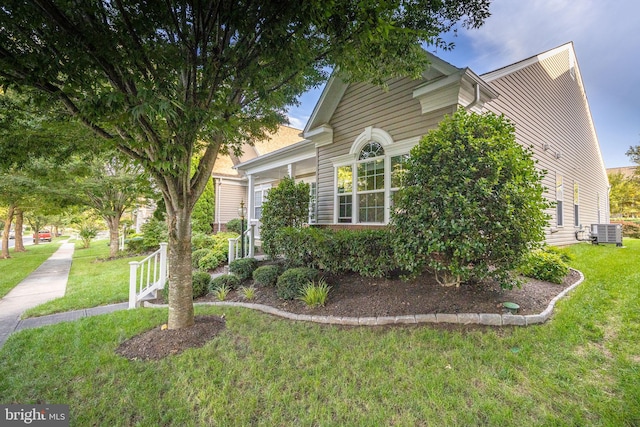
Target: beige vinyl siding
point(229, 197)
point(393, 110)
point(550, 107)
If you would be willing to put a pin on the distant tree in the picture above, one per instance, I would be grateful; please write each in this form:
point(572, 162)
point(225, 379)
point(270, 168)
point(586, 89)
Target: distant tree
point(110, 184)
point(472, 203)
point(163, 81)
point(624, 197)
point(286, 205)
point(203, 211)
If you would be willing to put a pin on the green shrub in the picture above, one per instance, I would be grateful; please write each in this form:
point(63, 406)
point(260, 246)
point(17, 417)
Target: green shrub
point(197, 255)
point(165, 292)
point(286, 205)
point(234, 226)
point(472, 202)
point(292, 281)
point(564, 253)
point(201, 241)
point(134, 244)
point(267, 275)
point(201, 280)
point(544, 265)
point(153, 233)
point(315, 294)
point(630, 229)
point(210, 261)
point(301, 247)
point(229, 280)
point(366, 252)
point(243, 267)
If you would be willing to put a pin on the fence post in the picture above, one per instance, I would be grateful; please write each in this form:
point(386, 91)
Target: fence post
point(163, 265)
point(133, 270)
point(252, 240)
point(232, 250)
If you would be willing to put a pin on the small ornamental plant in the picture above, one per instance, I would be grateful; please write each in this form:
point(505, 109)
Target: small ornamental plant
point(315, 294)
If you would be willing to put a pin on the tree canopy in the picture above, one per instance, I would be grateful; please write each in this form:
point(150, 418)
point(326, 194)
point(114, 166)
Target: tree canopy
point(163, 81)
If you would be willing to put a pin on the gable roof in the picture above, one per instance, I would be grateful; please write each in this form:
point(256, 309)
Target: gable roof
point(284, 137)
point(336, 87)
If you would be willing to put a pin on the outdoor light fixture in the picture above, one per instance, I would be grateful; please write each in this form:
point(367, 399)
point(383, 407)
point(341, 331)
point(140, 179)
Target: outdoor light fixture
point(242, 211)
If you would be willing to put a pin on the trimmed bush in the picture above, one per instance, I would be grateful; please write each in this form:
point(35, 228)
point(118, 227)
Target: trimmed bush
point(231, 281)
point(544, 265)
point(243, 267)
point(197, 255)
point(234, 226)
point(267, 275)
point(366, 252)
point(565, 255)
point(292, 281)
point(201, 241)
point(210, 261)
point(201, 280)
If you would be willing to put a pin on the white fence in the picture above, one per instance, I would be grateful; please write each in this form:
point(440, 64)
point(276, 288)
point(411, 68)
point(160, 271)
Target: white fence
point(235, 245)
point(148, 275)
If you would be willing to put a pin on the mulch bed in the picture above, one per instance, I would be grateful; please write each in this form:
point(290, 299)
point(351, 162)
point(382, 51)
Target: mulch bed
point(355, 296)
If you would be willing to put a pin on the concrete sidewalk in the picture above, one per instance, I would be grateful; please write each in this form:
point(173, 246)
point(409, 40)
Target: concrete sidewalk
point(47, 282)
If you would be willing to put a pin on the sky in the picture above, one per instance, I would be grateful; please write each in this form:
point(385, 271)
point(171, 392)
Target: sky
point(606, 38)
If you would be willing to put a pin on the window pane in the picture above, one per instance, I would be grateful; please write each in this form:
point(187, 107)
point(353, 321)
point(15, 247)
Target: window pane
point(397, 170)
point(345, 179)
point(344, 208)
point(560, 219)
point(371, 207)
point(371, 175)
point(370, 150)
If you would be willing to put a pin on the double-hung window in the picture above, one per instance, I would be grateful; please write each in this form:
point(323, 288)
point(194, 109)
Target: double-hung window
point(370, 191)
point(559, 201)
point(345, 194)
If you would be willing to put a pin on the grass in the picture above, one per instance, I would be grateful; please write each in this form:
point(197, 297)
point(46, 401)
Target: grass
point(21, 264)
point(92, 282)
point(580, 368)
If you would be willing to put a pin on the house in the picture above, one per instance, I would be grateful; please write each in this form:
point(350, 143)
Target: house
point(361, 130)
point(231, 184)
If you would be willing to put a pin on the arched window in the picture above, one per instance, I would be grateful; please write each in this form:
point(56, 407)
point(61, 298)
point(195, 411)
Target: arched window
point(367, 178)
point(370, 150)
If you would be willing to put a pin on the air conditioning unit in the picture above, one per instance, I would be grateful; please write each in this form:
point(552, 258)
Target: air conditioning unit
point(606, 233)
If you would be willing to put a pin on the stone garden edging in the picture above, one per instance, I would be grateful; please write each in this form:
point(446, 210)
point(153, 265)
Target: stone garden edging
point(490, 319)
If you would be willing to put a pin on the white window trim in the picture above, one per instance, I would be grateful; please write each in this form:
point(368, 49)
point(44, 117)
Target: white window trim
point(391, 149)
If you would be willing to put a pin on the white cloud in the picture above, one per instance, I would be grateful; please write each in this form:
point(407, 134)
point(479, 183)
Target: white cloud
point(298, 122)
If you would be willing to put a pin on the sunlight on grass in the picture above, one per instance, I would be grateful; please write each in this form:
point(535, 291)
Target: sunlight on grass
point(93, 281)
point(21, 264)
point(580, 368)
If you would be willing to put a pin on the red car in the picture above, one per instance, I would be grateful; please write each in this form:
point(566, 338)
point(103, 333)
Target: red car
point(43, 235)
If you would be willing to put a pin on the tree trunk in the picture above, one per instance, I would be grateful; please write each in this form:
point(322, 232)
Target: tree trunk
point(180, 281)
point(5, 233)
point(19, 243)
point(114, 224)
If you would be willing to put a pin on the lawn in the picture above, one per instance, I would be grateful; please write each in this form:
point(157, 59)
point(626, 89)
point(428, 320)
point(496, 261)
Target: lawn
point(93, 281)
point(580, 368)
point(21, 264)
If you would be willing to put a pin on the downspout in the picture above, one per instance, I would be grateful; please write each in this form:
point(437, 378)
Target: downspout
point(217, 207)
point(476, 98)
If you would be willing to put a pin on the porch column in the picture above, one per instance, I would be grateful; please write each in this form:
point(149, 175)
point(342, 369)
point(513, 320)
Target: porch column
point(291, 170)
point(250, 201)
